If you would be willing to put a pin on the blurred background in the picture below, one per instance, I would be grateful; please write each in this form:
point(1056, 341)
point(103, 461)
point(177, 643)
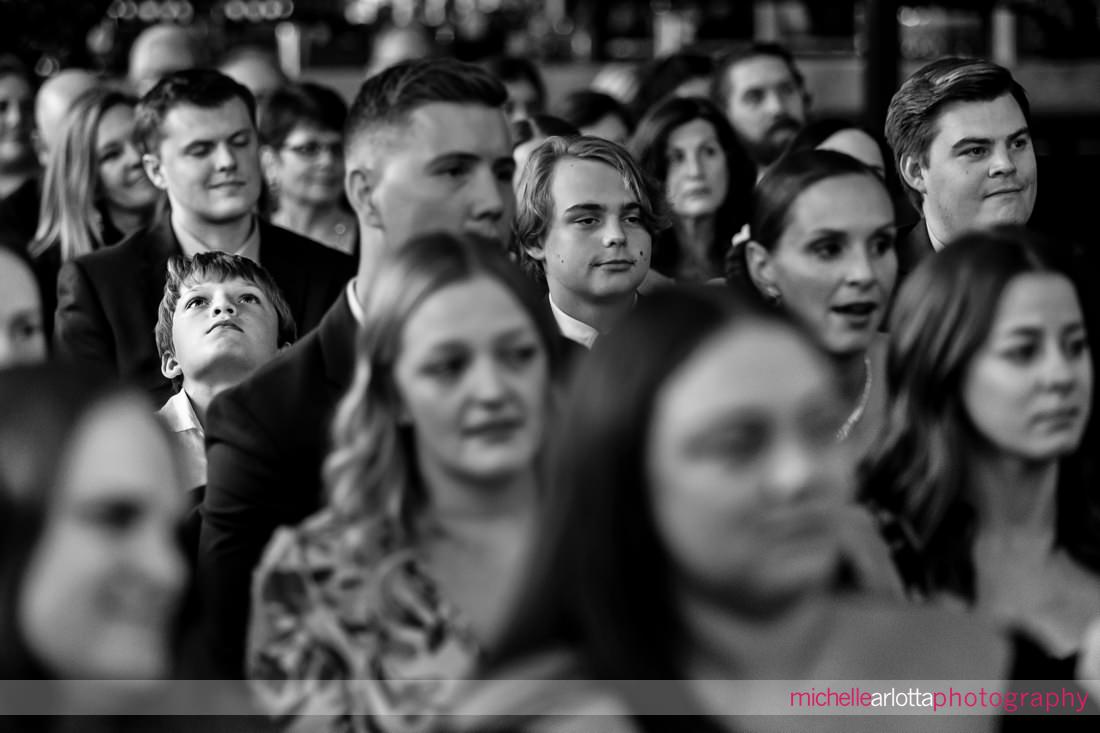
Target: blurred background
point(853, 52)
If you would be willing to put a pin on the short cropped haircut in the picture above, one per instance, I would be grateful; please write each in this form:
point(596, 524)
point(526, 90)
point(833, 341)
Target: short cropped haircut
point(720, 89)
point(915, 109)
point(535, 203)
point(390, 96)
point(217, 267)
point(299, 104)
point(205, 88)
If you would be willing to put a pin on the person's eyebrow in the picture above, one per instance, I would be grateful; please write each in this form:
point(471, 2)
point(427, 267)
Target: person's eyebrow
point(968, 141)
point(595, 208)
point(451, 158)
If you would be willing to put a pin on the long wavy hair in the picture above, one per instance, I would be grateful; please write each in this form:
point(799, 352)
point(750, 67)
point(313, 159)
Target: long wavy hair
point(919, 470)
point(371, 468)
point(649, 146)
point(69, 215)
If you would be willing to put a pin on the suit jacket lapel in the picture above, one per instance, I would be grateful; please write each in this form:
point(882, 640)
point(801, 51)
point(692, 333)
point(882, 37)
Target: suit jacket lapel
point(337, 333)
point(160, 243)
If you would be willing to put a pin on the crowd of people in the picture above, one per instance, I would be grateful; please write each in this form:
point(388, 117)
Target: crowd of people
point(452, 410)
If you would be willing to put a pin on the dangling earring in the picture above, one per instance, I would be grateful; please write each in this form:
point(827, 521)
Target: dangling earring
point(775, 297)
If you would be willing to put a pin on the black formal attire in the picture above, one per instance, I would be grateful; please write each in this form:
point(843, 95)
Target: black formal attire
point(107, 300)
point(266, 439)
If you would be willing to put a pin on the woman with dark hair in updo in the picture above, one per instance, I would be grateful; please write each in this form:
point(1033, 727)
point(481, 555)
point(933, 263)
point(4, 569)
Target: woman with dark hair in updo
point(820, 245)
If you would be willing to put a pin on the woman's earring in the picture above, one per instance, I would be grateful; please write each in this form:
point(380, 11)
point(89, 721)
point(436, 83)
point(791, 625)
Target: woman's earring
point(775, 297)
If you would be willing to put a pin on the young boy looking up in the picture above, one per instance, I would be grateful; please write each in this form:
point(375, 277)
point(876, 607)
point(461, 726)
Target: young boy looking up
point(220, 318)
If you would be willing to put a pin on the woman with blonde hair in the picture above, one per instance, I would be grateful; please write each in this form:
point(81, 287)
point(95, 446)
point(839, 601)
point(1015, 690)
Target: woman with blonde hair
point(95, 191)
point(431, 494)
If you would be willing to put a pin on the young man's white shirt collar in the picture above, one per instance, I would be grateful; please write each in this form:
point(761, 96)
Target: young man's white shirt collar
point(574, 330)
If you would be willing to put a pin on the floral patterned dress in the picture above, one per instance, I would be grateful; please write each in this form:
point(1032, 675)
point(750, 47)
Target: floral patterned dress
point(349, 633)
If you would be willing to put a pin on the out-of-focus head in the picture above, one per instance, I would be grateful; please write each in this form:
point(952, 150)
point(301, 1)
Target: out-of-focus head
point(598, 115)
point(301, 130)
point(22, 334)
point(221, 317)
point(16, 115)
point(764, 97)
point(529, 133)
point(453, 373)
point(255, 68)
point(427, 148)
point(160, 50)
point(844, 136)
point(526, 89)
point(696, 459)
point(393, 44)
point(53, 101)
point(822, 244)
point(586, 218)
point(675, 75)
point(989, 349)
point(687, 144)
point(91, 494)
point(196, 130)
point(959, 130)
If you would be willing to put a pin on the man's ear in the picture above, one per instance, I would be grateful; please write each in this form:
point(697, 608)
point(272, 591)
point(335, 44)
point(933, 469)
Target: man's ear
point(912, 173)
point(535, 252)
point(361, 186)
point(152, 166)
point(761, 268)
point(170, 367)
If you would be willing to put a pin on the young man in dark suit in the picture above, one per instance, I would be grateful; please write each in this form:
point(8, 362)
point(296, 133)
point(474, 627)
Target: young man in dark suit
point(960, 133)
point(427, 149)
point(196, 130)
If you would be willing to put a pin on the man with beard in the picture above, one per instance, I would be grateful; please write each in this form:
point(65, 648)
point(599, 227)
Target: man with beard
point(764, 96)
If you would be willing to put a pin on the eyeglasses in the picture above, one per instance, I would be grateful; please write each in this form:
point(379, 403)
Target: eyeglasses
point(313, 149)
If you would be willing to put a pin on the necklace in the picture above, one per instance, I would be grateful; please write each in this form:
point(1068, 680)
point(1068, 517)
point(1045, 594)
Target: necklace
point(842, 434)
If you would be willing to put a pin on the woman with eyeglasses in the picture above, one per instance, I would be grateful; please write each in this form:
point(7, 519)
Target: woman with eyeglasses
point(301, 132)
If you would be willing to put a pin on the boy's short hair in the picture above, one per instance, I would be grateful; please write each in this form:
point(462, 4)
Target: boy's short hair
point(217, 267)
point(206, 88)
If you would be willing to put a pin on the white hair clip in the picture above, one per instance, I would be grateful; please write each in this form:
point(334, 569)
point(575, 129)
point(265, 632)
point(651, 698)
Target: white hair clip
point(743, 236)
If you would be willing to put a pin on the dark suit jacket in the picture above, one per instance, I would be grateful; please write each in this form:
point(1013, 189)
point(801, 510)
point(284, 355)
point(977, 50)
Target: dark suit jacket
point(913, 245)
point(107, 300)
point(266, 439)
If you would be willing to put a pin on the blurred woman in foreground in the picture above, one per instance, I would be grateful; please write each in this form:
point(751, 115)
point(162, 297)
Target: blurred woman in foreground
point(701, 540)
point(90, 571)
point(366, 615)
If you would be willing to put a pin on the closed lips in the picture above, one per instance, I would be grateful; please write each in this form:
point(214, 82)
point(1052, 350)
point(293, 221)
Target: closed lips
point(225, 324)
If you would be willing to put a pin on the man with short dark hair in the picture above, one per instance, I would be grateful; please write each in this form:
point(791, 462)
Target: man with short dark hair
point(197, 134)
point(764, 96)
point(960, 133)
point(427, 148)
